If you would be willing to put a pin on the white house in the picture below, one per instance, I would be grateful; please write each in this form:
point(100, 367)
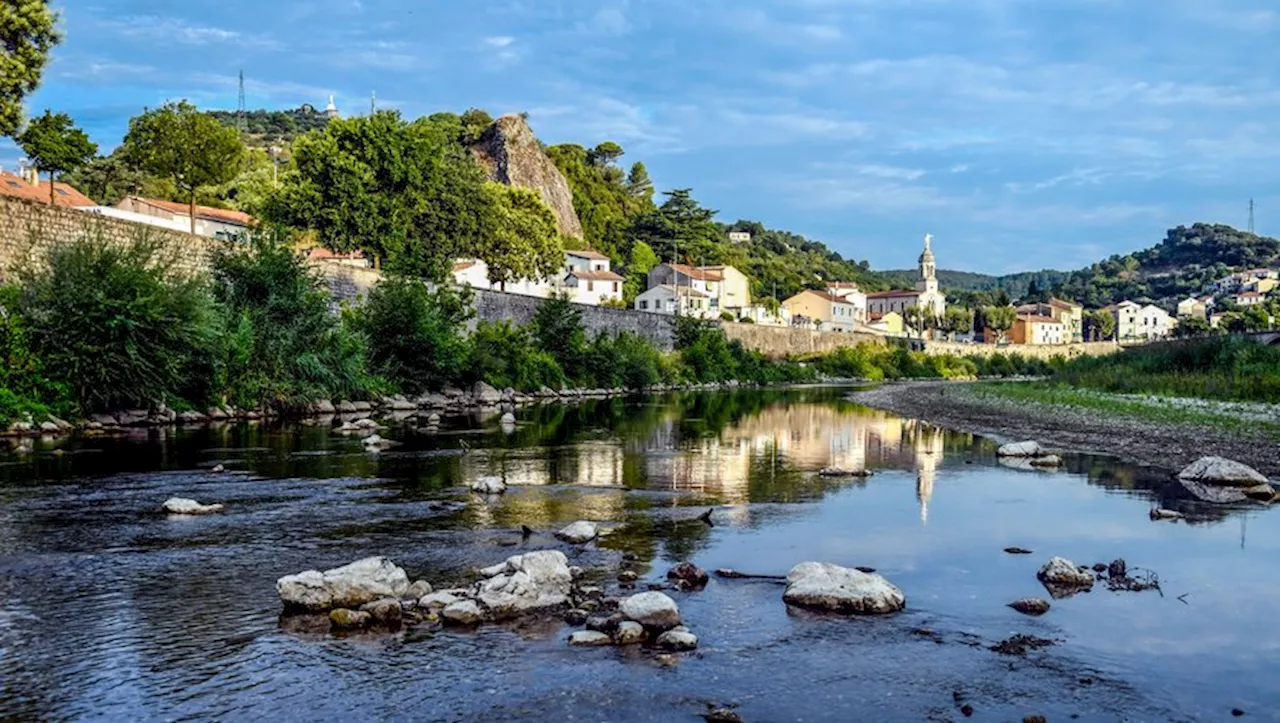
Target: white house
point(848, 292)
point(586, 279)
point(214, 222)
point(593, 287)
point(1249, 298)
point(1136, 321)
point(669, 299)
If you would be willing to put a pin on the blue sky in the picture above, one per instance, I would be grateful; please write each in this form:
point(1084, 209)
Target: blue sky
point(1022, 133)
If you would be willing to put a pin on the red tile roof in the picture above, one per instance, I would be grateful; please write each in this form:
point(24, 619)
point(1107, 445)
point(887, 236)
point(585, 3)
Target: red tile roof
point(65, 194)
point(697, 273)
point(842, 285)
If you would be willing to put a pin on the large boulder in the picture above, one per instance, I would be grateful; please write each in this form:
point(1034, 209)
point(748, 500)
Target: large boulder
point(463, 612)
point(1213, 494)
point(823, 586)
point(654, 610)
point(529, 582)
point(1020, 449)
point(511, 155)
point(578, 533)
point(349, 586)
point(1063, 577)
point(1222, 471)
point(485, 394)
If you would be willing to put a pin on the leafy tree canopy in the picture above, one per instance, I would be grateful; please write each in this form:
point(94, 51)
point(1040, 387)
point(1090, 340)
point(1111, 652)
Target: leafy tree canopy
point(55, 145)
point(28, 31)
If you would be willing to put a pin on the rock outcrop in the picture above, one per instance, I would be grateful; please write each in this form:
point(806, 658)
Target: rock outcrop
point(1222, 471)
point(528, 582)
point(510, 153)
point(823, 586)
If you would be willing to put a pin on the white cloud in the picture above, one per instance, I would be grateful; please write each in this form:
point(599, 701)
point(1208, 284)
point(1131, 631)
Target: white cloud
point(499, 41)
point(171, 30)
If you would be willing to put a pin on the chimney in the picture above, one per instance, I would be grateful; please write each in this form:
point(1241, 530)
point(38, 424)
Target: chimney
point(30, 174)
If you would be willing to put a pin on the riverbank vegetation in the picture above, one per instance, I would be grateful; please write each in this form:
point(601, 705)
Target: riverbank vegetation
point(1222, 368)
point(95, 326)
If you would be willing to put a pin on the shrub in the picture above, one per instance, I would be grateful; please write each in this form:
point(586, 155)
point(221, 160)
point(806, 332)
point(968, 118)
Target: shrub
point(116, 324)
point(24, 387)
point(557, 329)
point(415, 335)
point(503, 355)
point(282, 347)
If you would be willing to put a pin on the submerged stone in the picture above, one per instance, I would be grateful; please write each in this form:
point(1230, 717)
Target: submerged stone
point(1020, 449)
point(1222, 471)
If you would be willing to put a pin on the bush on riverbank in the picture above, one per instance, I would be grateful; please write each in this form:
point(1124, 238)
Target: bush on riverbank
point(878, 363)
point(1223, 368)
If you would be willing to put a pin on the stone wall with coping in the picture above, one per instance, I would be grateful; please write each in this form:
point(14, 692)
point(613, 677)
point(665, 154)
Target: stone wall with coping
point(1033, 351)
point(29, 229)
point(782, 341)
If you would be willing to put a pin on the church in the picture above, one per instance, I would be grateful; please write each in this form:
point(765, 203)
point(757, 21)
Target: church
point(926, 294)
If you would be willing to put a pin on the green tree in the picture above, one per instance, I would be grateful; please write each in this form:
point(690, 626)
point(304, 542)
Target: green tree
point(558, 330)
point(1099, 325)
point(522, 242)
point(56, 146)
point(407, 192)
point(641, 261)
point(473, 124)
point(28, 31)
point(957, 320)
point(108, 179)
point(679, 228)
point(1192, 326)
point(191, 148)
point(999, 319)
point(415, 335)
point(606, 154)
point(1256, 319)
point(639, 184)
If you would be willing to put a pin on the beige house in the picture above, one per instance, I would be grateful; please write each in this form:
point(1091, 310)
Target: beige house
point(726, 288)
point(1071, 315)
point(1038, 329)
point(849, 291)
point(822, 311)
point(1195, 307)
point(215, 222)
point(891, 324)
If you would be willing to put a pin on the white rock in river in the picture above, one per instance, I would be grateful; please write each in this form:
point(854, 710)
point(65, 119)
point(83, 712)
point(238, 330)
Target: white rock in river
point(629, 632)
point(579, 532)
point(463, 612)
point(349, 586)
point(508, 419)
point(532, 581)
point(184, 506)
point(1020, 449)
point(374, 443)
point(437, 601)
point(1063, 573)
point(677, 640)
point(1222, 471)
point(586, 638)
point(418, 590)
point(489, 485)
point(654, 610)
point(824, 586)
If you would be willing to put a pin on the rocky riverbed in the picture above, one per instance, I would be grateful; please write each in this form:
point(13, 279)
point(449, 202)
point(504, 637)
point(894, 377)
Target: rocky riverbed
point(1165, 445)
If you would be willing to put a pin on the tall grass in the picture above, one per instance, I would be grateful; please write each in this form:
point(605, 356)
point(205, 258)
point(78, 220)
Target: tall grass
point(1222, 368)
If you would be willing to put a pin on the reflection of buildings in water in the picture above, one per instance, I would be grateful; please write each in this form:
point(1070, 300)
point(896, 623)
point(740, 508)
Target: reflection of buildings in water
point(716, 467)
point(928, 443)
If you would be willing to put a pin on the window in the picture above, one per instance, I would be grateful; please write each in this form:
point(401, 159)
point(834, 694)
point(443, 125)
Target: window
point(615, 287)
point(591, 286)
point(644, 304)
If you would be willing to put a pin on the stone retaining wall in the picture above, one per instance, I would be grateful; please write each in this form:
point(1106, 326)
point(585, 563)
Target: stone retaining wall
point(783, 341)
point(29, 229)
point(1034, 351)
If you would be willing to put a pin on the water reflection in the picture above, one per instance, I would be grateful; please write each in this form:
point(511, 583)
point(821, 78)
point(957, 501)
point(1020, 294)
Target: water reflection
point(110, 610)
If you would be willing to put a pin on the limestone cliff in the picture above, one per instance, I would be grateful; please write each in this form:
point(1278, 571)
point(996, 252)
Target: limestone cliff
point(510, 153)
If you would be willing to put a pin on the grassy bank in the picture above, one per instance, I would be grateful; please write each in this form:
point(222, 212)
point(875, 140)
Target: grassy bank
point(1222, 368)
point(99, 327)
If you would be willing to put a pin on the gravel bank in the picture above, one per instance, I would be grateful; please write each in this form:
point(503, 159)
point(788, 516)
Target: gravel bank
point(1164, 445)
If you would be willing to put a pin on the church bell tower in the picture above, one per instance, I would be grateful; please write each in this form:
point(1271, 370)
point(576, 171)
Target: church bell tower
point(928, 268)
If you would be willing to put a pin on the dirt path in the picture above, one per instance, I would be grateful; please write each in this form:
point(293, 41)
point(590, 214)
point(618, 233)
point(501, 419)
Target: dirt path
point(1169, 446)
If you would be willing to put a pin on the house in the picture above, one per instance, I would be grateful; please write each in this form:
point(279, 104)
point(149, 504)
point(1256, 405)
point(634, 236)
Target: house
point(471, 272)
point(848, 290)
point(33, 189)
point(891, 324)
point(825, 311)
point(214, 222)
point(1195, 307)
point(1038, 329)
point(593, 287)
point(1140, 322)
point(674, 300)
point(589, 278)
point(1261, 286)
point(726, 288)
point(1249, 298)
point(1071, 316)
point(1244, 280)
point(739, 237)
point(926, 294)
point(761, 314)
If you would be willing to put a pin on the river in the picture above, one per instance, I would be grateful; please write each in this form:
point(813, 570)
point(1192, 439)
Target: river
point(109, 610)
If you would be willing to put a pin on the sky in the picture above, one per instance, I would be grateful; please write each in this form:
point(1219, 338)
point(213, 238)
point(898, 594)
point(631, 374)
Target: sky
point(1022, 134)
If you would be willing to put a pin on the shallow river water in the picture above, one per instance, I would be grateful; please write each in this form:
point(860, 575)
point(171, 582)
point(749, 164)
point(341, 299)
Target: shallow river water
point(109, 610)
